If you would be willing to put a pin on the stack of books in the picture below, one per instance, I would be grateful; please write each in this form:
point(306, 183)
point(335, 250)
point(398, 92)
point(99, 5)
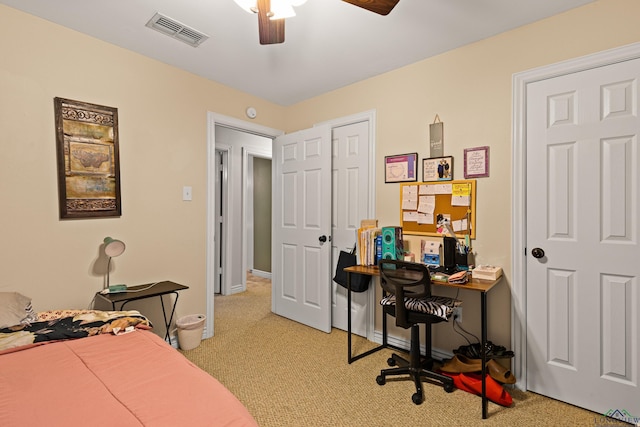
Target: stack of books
point(368, 242)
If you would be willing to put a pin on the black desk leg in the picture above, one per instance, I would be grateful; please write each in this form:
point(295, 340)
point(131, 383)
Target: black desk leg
point(164, 314)
point(349, 358)
point(483, 326)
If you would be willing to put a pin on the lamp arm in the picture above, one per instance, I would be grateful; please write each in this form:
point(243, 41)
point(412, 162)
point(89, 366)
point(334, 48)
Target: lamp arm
point(108, 270)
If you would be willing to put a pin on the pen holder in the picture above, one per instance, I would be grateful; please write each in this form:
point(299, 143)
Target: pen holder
point(461, 260)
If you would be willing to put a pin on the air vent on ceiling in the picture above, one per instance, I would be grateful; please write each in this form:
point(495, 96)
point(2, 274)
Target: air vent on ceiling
point(176, 29)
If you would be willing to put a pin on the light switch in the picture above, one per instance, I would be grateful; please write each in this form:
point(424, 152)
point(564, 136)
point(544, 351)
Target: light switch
point(186, 193)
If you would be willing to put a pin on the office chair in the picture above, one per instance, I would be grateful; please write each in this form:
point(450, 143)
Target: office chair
point(410, 282)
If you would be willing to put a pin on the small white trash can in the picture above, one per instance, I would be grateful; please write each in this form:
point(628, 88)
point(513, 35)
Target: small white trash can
point(190, 330)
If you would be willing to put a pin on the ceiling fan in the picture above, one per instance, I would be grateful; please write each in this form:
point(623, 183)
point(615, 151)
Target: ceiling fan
point(271, 14)
point(381, 7)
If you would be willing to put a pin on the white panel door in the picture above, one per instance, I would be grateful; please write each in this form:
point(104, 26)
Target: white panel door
point(301, 261)
point(350, 201)
point(583, 202)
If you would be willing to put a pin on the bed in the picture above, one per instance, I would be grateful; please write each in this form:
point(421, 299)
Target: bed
point(104, 369)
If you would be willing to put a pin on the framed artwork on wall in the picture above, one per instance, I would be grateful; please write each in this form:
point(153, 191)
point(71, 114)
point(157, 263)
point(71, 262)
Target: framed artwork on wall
point(437, 169)
point(476, 162)
point(436, 138)
point(88, 159)
point(401, 168)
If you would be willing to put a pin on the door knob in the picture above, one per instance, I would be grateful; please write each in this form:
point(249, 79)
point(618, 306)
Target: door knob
point(322, 238)
point(537, 252)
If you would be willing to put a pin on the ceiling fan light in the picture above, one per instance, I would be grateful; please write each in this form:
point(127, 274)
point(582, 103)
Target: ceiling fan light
point(250, 6)
point(281, 9)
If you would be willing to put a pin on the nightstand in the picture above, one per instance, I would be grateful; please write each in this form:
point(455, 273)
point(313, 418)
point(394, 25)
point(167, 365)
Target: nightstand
point(150, 290)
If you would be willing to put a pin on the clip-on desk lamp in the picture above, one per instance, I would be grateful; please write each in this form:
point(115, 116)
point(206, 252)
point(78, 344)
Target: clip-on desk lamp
point(113, 248)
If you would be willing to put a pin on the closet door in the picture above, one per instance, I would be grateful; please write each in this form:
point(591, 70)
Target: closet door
point(350, 204)
point(583, 238)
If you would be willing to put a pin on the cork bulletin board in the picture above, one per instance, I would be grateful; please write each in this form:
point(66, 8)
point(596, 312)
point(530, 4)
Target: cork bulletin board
point(422, 202)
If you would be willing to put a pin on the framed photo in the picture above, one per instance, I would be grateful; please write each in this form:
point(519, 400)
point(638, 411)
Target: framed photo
point(476, 162)
point(437, 169)
point(401, 168)
point(88, 159)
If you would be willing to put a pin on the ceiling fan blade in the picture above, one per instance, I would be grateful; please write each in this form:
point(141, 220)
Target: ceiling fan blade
point(270, 31)
point(381, 7)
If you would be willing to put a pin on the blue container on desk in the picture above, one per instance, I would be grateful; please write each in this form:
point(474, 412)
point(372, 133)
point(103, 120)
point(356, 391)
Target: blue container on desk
point(431, 259)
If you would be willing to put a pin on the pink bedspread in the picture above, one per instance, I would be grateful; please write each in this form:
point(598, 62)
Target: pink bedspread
point(129, 380)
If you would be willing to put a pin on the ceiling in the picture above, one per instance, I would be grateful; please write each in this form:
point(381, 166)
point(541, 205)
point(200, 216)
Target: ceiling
point(328, 45)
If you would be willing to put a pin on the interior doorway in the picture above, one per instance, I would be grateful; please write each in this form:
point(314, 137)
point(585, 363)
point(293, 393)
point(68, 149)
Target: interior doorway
point(256, 217)
point(257, 238)
point(217, 122)
point(246, 200)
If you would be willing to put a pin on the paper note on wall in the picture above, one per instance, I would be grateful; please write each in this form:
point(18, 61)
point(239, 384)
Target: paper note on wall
point(410, 197)
point(459, 225)
point(425, 218)
point(410, 216)
point(439, 189)
point(409, 204)
point(427, 204)
point(461, 195)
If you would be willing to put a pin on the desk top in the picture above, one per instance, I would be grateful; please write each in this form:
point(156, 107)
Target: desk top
point(144, 291)
point(478, 285)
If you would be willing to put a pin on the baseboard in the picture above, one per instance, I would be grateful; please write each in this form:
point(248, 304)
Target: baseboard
point(236, 289)
point(436, 353)
point(260, 273)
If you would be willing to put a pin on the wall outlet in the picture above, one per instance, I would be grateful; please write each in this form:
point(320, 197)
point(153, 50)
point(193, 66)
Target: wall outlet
point(457, 314)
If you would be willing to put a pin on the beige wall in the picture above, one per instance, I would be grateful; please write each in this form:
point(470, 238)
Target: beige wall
point(162, 114)
point(262, 214)
point(470, 89)
point(163, 140)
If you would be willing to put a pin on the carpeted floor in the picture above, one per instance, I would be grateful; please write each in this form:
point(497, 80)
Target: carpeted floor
point(288, 374)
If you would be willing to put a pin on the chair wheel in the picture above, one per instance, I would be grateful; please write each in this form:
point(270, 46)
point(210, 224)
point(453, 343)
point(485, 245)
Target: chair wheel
point(381, 380)
point(391, 361)
point(449, 388)
point(417, 398)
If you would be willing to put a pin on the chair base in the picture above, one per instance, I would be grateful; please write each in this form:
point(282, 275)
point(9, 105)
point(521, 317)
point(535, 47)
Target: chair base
point(416, 374)
point(415, 368)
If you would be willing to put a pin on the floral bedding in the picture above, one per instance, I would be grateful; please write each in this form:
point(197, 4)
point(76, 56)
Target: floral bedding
point(78, 324)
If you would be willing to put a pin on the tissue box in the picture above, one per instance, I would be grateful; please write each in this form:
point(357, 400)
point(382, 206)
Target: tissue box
point(487, 272)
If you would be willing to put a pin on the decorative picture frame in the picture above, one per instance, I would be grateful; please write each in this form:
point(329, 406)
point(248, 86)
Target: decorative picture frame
point(88, 159)
point(437, 169)
point(476, 162)
point(436, 138)
point(401, 168)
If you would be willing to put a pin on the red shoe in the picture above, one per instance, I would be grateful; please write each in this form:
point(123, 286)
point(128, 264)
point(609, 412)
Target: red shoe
point(495, 392)
point(457, 382)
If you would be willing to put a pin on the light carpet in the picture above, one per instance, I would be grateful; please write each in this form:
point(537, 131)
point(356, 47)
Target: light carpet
point(288, 374)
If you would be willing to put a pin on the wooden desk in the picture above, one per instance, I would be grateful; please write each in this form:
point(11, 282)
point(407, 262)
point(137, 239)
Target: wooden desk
point(147, 291)
point(478, 285)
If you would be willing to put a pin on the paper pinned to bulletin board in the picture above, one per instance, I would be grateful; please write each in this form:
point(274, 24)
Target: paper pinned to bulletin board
point(422, 202)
